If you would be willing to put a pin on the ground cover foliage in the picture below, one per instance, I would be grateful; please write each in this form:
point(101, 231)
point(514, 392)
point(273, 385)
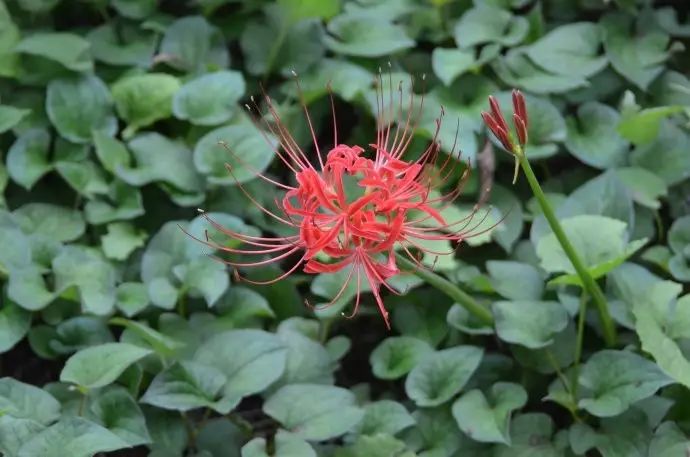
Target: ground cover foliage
point(120, 336)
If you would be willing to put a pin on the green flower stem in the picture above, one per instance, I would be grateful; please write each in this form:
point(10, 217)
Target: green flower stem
point(589, 283)
point(462, 298)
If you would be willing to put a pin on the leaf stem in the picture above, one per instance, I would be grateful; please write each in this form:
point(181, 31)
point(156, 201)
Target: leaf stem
point(589, 283)
point(578, 342)
point(182, 305)
point(450, 289)
point(82, 403)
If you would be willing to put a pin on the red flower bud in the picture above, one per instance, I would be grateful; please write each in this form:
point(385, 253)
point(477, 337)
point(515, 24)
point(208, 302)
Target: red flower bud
point(499, 132)
point(519, 107)
point(497, 114)
point(520, 129)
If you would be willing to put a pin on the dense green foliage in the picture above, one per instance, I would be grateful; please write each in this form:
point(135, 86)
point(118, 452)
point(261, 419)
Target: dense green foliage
point(119, 335)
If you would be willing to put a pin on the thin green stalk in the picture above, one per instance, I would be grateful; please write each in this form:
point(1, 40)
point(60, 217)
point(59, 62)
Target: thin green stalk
point(578, 343)
point(82, 403)
point(589, 283)
point(324, 329)
point(182, 305)
point(462, 298)
point(572, 406)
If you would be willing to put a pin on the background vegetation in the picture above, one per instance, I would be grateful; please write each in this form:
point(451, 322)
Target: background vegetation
point(120, 336)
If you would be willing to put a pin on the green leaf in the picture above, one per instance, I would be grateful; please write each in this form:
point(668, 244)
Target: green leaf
point(85, 177)
point(210, 99)
point(69, 336)
point(384, 416)
point(135, 9)
point(260, 363)
point(93, 276)
point(488, 24)
point(441, 375)
point(131, 298)
point(314, 412)
point(486, 419)
point(307, 9)
point(286, 444)
point(593, 138)
point(187, 386)
point(117, 411)
point(124, 202)
point(461, 319)
point(512, 217)
point(655, 341)
point(413, 317)
point(122, 44)
point(531, 436)
point(73, 436)
point(637, 56)
point(279, 45)
point(219, 438)
point(518, 70)
point(24, 401)
point(395, 356)
point(15, 432)
point(436, 433)
point(9, 37)
point(616, 379)
point(530, 323)
point(51, 221)
point(623, 435)
point(365, 35)
point(379, 445)
point(448, 64)
point(11, 116)
point(172, 256)
point(67, 49)
point(679, 235)
point(162, 344)
point(645, 187)
point(571, 49)
point(111, 152)
point(668, 441)
point(168, 432)
point(604, 195)
point(642, 127)
point(15, 322)
point(666, 156)
point(307, 361)
point(346, 79)
point(192, 44)
point(27, 159)
point(600, 254)
point(122, 238)
point(160, 159)
point(28, 288)
point(516, 280)
point(248, 153)
point(144, 99)
point(101, 365)
point(79, 105)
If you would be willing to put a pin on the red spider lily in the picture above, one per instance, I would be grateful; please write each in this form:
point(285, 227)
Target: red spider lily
point(354, 208)
point(499, 127)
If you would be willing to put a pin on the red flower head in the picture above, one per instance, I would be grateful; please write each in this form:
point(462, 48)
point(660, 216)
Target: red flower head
point(499, 127)
point(355, 208)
